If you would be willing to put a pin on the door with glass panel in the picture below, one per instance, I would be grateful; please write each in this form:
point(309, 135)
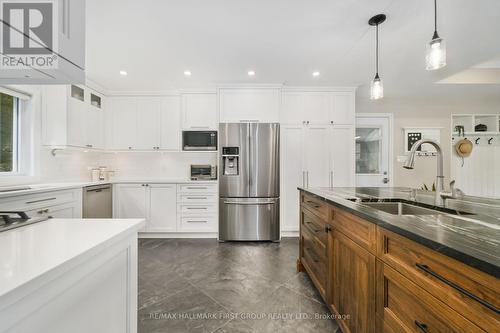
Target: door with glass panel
point(373, 142)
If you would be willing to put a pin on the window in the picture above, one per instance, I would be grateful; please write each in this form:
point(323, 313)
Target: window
point(9, 131)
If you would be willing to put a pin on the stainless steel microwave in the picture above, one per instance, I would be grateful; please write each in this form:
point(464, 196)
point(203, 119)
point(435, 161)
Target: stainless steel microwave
point(199, 140)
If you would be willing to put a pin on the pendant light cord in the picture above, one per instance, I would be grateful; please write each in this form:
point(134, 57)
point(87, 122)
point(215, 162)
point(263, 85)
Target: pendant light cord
point(376, 55)
point(435, 16)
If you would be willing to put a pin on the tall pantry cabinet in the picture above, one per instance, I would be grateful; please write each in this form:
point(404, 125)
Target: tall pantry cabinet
point(317, 145)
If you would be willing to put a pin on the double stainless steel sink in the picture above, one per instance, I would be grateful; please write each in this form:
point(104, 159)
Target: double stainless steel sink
point(404, 207)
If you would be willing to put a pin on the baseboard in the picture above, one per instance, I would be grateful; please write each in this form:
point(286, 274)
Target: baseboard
point(178, 235)
point(289, 233)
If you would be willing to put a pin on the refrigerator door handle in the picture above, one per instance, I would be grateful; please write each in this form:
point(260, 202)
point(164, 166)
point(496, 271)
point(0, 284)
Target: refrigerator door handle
point(248, 203)
point(303, 179)
point(307, 178)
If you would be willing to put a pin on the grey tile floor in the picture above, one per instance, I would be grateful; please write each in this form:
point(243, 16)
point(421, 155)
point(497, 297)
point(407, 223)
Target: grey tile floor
point(200, 285)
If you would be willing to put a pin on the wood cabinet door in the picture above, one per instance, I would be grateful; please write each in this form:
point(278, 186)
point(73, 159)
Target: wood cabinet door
point(162, 208)
point(170, 127)
point(199, 111)
point(353, 291)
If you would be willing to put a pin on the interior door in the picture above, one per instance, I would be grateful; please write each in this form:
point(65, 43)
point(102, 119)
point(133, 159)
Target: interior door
point(264, 175)
point(317, 156)
point(373, 167)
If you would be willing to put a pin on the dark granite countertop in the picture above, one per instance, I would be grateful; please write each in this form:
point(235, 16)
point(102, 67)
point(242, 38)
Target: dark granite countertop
point(471, 239)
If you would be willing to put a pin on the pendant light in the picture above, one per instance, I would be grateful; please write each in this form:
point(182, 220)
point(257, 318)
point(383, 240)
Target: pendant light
point(376, 87)
point(436, 49)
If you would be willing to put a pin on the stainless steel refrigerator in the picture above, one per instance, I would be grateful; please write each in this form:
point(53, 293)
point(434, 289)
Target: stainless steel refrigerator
point(249, 181)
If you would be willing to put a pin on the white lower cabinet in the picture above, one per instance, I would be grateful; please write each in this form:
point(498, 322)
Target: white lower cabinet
point(51, 204)
point(162, 208)
point(313, 156)
point(168, 208)
point(197, 208)
point(130, 201)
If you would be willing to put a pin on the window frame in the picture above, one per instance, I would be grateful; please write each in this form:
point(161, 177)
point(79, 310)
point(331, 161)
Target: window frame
point(16, 139)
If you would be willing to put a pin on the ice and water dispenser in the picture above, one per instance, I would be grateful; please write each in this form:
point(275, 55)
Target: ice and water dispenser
point(230, 161)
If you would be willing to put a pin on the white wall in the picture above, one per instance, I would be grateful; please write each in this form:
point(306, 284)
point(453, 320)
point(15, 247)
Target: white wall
point(155, 165)
point(425, 112)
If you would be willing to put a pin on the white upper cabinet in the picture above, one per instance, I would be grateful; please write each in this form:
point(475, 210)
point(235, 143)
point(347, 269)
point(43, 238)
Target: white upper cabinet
point(249, 104)
point(306, 107)
point(148, 123)
point(72, 116)
point(343, 112)
point(123, 123)
point(317, 107)
point(199, 111)
point(144, 123)
point(170, 120)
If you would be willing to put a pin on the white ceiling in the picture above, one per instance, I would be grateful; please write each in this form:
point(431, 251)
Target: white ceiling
point(284, 42)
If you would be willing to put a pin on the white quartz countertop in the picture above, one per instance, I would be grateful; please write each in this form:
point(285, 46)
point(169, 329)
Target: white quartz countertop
point(46, 187)
point(30, 252)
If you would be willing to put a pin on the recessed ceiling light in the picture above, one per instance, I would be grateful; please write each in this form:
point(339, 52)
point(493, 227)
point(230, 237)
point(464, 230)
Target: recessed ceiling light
point(124, 73)
point(316, 74)
point(251, 73)
point(187, 73)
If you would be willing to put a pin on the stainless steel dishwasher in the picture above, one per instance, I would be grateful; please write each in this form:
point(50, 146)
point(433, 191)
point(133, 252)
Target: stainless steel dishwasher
point(97, 201)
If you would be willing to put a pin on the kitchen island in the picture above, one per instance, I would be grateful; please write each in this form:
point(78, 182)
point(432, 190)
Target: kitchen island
point(69, 275)
point(389, 260)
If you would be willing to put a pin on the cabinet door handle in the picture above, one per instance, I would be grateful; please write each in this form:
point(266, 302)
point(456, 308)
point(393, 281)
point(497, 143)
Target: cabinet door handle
point(196, 208)
point(328, 228)
point(429, 271)
point(197, 221)
point(196, 188)
point(194, 198)
point(421, 326)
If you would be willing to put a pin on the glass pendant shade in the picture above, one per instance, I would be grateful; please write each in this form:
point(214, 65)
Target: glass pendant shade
point(436, 54)
point(376, 88)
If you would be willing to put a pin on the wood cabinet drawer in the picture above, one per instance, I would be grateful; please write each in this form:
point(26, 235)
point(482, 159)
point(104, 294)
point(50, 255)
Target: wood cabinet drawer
point(197, 188)
point(402, 306)
point(317, 206)
point(315, 226)
point(313, 257)
point(472, 293)
point(360, 231)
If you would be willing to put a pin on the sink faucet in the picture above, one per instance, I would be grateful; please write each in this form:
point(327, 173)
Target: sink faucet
point(441, 195)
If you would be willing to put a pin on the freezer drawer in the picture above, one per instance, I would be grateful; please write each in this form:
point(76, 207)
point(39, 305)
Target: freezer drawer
point(249, 219)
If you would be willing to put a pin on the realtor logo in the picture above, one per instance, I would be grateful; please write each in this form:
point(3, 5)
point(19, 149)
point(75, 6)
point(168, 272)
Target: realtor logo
point(28, 34)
